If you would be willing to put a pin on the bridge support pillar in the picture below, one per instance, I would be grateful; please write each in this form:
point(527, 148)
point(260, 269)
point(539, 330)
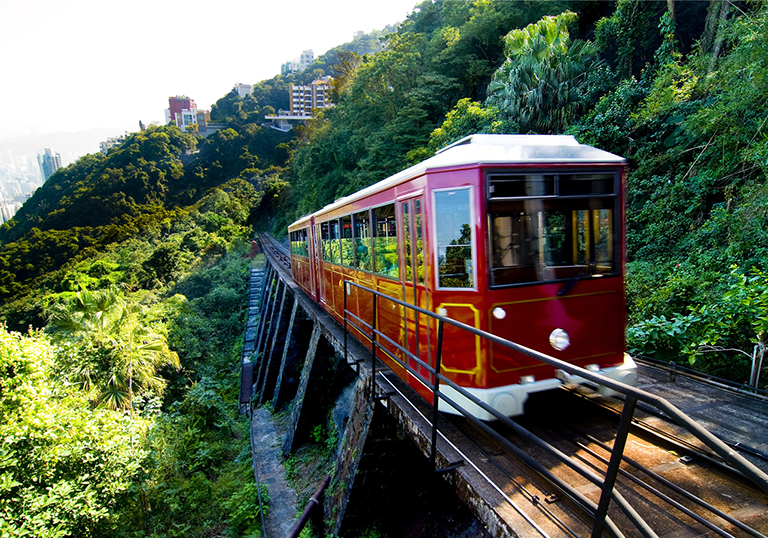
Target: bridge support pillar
point(276, 401)
point(278, 338)
point(298, 402)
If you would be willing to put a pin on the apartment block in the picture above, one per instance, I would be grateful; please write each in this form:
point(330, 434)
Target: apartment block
point(307, 99)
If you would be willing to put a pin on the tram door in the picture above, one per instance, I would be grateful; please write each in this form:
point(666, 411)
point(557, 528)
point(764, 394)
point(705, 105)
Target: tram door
point(314, 230)
point(414, 291)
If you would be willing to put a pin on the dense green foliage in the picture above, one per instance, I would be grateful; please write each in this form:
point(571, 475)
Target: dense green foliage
point(676, 87)
point(121, 418)
point(394, 100)
point(123, 279)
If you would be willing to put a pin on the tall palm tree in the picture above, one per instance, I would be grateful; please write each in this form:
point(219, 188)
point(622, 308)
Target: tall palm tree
point(538, 85)
point(122, 354)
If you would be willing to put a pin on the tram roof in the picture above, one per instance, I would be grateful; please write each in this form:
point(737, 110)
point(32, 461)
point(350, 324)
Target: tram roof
point(491, 149)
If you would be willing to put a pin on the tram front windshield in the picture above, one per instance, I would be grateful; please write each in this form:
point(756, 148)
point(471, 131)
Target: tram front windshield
point(552, 227)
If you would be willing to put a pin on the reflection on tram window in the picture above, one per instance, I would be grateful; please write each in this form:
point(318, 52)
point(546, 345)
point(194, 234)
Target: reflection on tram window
point(385, 242)
point(347, 245)
point(299, 242)
point(419, 241)
point(454, 238)
point(330, 238)
point(363, 242)
point(407, 241)
point(538, 241)
point(551, 226)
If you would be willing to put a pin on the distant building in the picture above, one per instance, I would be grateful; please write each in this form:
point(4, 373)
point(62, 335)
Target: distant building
point(8, 210)
point(297, 65)
point(284, 122)
point(49, 163)
point(182, 112)
point(243, 89)
point(110, 143)
point(306, 59)
point(307, 99)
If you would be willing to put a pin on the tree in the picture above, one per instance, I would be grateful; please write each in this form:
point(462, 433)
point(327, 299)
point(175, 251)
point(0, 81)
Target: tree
point(65, 468)
point(117, 354)
point(539, 85)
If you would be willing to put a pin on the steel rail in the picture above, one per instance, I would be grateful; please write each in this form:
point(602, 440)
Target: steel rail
point(725, 384)
point(678, 443)
point(668, 483)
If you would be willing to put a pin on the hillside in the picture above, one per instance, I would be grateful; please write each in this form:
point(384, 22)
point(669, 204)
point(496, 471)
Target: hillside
point(124, 276)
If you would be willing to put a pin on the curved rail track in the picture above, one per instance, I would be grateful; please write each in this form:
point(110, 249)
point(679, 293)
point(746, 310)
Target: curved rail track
point(678, 487)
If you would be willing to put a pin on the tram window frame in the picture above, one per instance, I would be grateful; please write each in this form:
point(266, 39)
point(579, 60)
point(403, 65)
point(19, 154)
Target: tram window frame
point(594, 203)
point(346, 242)
point(298, 239)
point(391, 245)
point(405, 211)
point(418, 221)
point(440, 228)
point(363, 244)
point(303, 243)
point(330, 239)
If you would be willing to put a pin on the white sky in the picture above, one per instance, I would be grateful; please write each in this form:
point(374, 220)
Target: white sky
point(70, 65)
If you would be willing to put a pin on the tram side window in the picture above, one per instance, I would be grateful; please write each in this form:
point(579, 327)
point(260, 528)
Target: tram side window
point(299, 242)
point(363, 241)
point(419, 242)
point(347, 244)
point(303, 245)
point(453, 218)
point(385, 242)
point(407, 241)
point(330, 238)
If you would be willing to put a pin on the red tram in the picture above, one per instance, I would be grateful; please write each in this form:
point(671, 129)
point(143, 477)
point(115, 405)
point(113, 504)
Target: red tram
point(521, 236)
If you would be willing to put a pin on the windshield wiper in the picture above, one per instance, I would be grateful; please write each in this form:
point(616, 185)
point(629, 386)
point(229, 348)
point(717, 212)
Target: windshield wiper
point(585, 271)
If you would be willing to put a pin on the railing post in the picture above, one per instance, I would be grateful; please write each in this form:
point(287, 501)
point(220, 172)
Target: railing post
point(435, 389)
point(614, 464)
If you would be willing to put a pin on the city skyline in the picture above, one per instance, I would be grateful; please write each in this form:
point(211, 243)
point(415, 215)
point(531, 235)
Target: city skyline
point(79, 66)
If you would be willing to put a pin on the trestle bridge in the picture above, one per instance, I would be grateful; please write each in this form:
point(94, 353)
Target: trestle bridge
point(577, 464)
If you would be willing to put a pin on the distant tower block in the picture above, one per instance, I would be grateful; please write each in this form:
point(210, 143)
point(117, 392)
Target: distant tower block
point(49, 162)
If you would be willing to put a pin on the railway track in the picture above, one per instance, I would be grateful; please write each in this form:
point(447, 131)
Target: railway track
point(677, 487)
point(673, 493)
point(276, 250)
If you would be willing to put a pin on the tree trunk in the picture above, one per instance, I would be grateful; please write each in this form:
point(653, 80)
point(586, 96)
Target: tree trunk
point(712, 38)
point(725, 8)
point(671, 9)
point(710, 25)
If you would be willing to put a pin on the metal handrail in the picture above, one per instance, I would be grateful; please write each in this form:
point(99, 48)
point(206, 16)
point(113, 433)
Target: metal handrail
point(315, 503)
point(632, 396)
point(726, 384)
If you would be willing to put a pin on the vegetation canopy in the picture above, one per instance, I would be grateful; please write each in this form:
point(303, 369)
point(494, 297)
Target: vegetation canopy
point(123, 278)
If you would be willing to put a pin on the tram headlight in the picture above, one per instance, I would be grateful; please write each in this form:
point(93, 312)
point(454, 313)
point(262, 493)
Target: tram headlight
point(499, 313)
point(559, 339)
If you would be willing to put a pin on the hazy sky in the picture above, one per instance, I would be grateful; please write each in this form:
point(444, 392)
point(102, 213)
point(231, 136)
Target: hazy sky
point(70, 65)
